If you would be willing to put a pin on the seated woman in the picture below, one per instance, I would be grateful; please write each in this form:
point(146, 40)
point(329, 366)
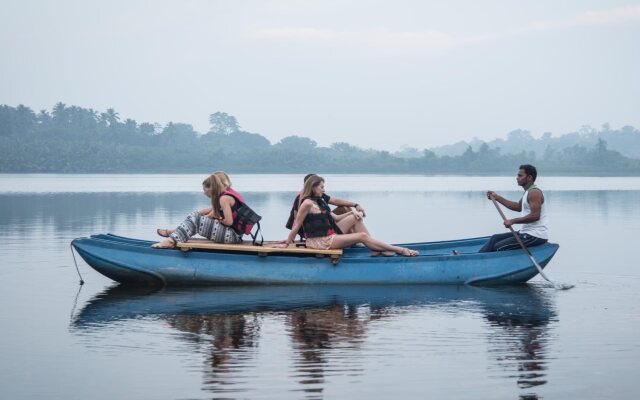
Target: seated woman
point(323, 229)
point(214, 223)
point(226, 182)
point(343, 206)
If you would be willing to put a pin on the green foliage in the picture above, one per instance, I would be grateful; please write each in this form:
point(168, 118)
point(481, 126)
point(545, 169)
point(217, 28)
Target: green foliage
point(72, 139)
point(296, 144)
point(223, 123)
point(625, 140)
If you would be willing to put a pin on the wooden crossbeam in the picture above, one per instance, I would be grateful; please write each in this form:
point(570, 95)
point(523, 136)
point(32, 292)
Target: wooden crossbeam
point(247, 247)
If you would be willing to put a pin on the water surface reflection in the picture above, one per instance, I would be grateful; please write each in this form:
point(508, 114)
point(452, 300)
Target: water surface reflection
point(332, 329)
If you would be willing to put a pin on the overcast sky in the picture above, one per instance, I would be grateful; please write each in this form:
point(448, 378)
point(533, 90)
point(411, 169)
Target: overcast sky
point(381, 74)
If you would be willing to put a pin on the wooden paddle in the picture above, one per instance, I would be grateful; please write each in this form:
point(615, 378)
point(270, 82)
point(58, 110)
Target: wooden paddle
point(559, 286)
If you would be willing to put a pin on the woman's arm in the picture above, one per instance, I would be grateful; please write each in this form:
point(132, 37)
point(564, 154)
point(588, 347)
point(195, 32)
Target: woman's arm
point(340, 217)
point(206, 211)
point(226, 202)
point(297, 223)
point(346, 203)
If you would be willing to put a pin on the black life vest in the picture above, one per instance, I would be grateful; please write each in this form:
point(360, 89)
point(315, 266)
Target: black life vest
point(244, 218)
point(294, 211)
point(320, 224)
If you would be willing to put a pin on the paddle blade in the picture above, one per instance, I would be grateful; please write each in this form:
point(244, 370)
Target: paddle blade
point(563, 286)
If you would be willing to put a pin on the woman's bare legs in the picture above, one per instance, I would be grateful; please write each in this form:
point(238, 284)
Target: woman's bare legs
point(350, 224)
point(349, 239)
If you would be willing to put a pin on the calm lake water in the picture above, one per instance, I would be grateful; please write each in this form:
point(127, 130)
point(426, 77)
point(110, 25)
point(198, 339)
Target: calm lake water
point(62, 341)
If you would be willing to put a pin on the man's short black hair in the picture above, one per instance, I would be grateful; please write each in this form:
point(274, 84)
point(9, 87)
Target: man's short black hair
point(530, 170)
point(307, 177)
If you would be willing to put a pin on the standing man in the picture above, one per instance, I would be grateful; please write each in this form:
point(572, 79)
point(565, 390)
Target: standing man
point(533, 211)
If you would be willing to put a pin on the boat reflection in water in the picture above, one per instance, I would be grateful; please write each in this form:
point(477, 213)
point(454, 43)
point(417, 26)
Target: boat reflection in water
point(328, 326)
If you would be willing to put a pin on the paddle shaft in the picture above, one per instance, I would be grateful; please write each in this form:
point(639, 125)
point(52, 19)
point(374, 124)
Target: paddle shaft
point(515, 235)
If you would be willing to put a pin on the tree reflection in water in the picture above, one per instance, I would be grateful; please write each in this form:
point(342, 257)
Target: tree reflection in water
point(328, 326)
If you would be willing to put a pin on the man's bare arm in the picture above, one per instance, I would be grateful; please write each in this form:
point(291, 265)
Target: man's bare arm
point(511, 205)
point(535, 202)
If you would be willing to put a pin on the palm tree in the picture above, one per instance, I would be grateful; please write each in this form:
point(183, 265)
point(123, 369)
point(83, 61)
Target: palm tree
point(112, 117)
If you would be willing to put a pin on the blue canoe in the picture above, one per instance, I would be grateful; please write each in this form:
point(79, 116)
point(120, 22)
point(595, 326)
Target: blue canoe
point(133, 261)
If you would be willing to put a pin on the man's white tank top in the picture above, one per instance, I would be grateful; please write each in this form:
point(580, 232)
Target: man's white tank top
point(539, 228)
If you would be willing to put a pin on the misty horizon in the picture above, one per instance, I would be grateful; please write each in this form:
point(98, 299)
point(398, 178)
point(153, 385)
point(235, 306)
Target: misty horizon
point(75, 139)
point(158, 126)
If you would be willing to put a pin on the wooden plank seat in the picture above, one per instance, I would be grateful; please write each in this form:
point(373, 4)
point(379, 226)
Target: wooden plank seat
point(247, 247)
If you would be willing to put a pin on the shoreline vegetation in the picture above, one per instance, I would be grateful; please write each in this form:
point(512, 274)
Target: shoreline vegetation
point(71, 139)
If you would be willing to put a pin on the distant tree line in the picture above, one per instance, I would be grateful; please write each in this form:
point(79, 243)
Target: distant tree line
point(71, 139)
point(626, 140)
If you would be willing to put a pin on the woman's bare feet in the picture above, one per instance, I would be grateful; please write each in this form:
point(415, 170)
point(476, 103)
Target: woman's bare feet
point(408, 252)
point(164, 232)
point(167, 243)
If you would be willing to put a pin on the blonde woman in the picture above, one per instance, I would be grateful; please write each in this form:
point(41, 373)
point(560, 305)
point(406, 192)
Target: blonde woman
point(323, 229)
point(226, 182)
point(215, 223)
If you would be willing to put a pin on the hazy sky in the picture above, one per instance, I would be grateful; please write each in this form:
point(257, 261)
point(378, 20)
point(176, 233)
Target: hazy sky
point(380, 74)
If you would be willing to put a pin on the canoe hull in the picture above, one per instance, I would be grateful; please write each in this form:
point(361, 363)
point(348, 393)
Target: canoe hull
point(132, 261)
